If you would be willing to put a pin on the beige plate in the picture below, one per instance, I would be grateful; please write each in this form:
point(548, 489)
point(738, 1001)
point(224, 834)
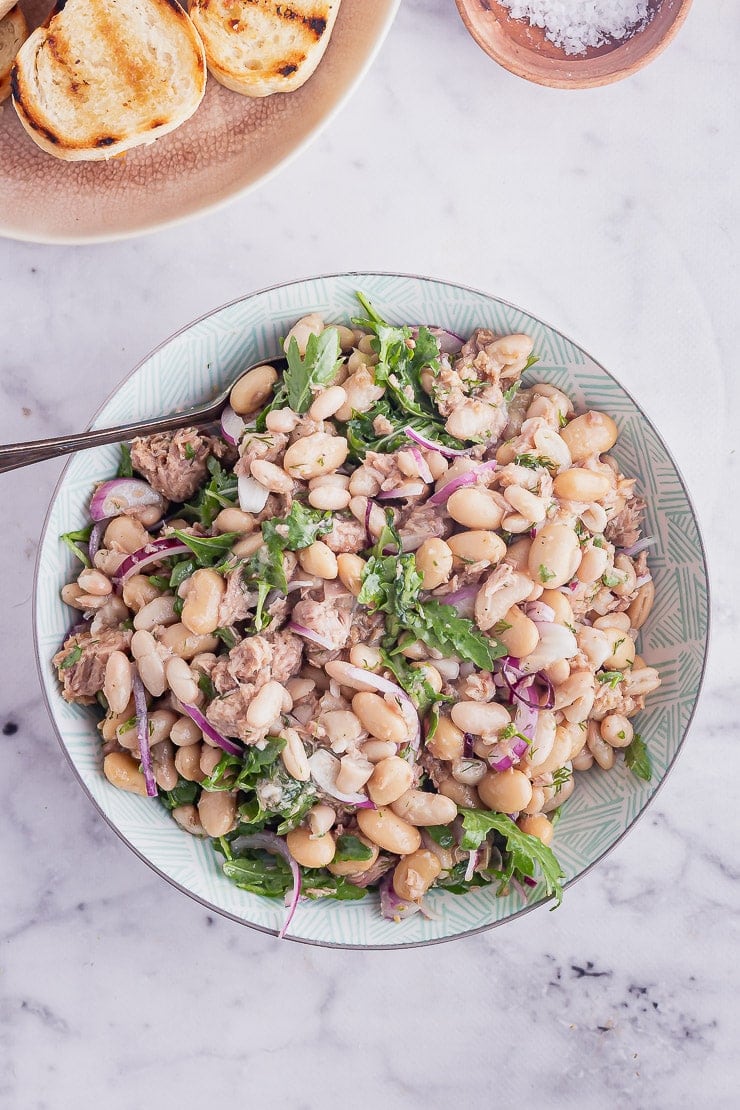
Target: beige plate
point(231, 144)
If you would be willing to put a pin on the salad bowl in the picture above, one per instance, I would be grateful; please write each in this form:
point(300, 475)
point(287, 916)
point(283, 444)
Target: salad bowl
point(193, 366)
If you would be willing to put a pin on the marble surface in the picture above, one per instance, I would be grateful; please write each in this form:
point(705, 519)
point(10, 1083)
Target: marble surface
point(610, 213)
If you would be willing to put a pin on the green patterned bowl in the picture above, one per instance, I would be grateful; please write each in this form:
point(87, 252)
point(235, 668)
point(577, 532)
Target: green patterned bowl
point(195, 363)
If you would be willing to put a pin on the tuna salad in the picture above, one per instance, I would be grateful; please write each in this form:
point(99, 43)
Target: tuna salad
point(366, 635)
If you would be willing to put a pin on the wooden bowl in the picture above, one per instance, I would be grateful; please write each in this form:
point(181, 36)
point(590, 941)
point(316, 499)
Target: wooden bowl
point(527, 52)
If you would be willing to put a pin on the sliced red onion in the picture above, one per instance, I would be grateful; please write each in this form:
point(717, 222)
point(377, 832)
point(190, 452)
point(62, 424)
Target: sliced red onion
point(408, 489)
point(526, 718)
point(538, 611)
point(466, 479)
point(472, 864)
point(252, 495)
point(463, 600)
point(142, 732)
point(309, 634)
point(468, 741)
point(368, 511)
point(641, 545)
point(431, 445)
point(324, 770)
point(232, 426)
point(341, 671)
point(270, 842)
point(518, 888)
point(96, 537)
point(391, 906)
point(152, 552)
point(199, 718)
point(449, 343)
point(118, 495)
point(422, 465)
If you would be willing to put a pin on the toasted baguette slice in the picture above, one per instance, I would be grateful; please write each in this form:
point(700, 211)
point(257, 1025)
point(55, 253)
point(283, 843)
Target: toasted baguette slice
point(260, 47)
point(13, 32)
point(106, 75)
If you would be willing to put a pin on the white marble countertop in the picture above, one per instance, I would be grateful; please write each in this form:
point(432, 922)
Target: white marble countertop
point(611, 213)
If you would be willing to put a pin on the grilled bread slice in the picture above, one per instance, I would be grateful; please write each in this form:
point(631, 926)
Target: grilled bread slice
point(106, 75)
point(260, 47)
point(13, 31)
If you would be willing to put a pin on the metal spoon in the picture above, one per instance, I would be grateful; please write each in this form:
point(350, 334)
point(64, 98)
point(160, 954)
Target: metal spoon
point(15, 455)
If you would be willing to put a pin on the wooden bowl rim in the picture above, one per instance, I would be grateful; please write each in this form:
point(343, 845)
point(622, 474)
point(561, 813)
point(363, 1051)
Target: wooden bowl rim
point(584, 72)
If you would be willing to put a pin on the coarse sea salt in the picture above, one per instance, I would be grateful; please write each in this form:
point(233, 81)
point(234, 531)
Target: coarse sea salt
point(574, 25)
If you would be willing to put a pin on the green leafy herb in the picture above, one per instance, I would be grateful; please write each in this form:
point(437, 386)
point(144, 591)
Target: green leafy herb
point(178, 605)
point(161, 581)
point(544, 574)
point(261, 873)
point(392, 585)
point(125, 466)
point(227, 636)
point(560, 777)
point(612, 677)
point(511, 392)
point(183, 794)
point(180, 572)
point(72, 539)
point(362, 436)
point(300, 528)
point(526, 852)
point(442, 835)
point(534, 462)
point(189, 452)
point(500, 627)
point(637, 758)
point(351, 848)
point(220, 493)
point(412, 680)
point(73, 657)
point(317, 884)
point(305, 376)
point(611, 580)
point(206, 686)
point(224, 774)
point(207, 549)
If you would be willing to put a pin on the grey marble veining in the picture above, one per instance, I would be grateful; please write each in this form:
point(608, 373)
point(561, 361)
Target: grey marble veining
point(613, 215)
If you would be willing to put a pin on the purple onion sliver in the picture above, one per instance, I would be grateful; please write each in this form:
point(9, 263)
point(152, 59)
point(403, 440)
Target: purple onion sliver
point(114, 497)
point(391, 906)
point(424, 472)
point(270, 842)
point(152, 552)
point(442, 495)
point(468, 742)
point(309, 634)
point(96, 536)
point(504, 764)
point(205, 726)
point(430, 444)
point(641, 545)
point(529, 881)
point(142, 732)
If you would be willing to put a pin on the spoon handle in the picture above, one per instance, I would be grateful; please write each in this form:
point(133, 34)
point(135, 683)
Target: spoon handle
point(15, 455)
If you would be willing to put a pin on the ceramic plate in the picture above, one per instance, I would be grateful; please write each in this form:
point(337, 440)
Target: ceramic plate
point(198, 361)
point(229, 145)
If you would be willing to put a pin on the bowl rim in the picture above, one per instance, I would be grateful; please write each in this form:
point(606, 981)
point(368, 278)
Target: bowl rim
point(152, 226)
point(41, 664)
point(518, 67)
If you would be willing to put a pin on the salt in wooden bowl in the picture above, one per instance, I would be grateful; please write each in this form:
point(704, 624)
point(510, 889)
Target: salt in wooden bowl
point(527, 52)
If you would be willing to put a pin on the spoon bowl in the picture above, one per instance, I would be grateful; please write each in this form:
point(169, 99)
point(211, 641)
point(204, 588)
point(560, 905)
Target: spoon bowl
point(15, 455)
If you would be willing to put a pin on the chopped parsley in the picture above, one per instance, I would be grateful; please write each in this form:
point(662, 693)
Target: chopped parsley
point(125, 466)
point(69, 660)
point(612, 677)
point(72, 541)
point(545, 575)
point(637, 758)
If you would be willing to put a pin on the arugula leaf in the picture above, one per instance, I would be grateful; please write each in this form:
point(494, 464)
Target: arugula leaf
point(351, 848)
point(125, 466)
point(180, 572)
point(263, 874)
point(72, 539)
point(318, 884)
point(226, 636)
point(224, 774)
point(220, 493)
point(206, 686)
point(391, 584)
point(637, 758)
point(161, 581)
point(257, 760)
point(612, 677)
point(69, 660)
point(442, 835)
point(182, 794)
point(317, 368)
point(300, 528)
point(207, 549)
point(412, 680)
point(362, 437)
point(440, 627)
point(525, 851)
